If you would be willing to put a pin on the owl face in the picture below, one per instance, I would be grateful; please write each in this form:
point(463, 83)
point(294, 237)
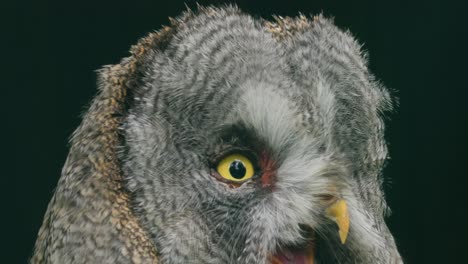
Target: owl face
point(238, 146)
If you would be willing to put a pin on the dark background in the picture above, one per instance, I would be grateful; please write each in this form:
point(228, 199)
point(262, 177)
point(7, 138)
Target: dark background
point(416, 49)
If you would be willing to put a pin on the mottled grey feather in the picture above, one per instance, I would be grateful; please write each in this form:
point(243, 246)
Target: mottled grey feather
point(137, 186)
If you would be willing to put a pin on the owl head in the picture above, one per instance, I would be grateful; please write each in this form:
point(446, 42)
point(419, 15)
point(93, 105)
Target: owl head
point(249, 141)
point(225, 138)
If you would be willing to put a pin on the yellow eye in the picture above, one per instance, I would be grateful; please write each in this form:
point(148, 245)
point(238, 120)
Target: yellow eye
point(235, 168)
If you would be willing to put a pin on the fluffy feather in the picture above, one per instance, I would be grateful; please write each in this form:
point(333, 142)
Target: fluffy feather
point(138, 185)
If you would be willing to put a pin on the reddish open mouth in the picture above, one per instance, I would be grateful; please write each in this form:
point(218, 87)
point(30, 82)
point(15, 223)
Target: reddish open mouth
point(303, 255)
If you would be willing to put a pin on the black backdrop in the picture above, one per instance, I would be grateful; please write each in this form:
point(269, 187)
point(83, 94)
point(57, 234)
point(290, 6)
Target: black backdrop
point(415, 49)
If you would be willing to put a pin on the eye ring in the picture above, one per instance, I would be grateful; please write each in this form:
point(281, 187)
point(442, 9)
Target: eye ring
point(235, 168)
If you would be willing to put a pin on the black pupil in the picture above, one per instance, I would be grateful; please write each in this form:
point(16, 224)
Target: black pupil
point(237, 169)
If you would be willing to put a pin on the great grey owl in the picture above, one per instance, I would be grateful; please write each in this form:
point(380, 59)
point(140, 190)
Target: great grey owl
point(225, 138)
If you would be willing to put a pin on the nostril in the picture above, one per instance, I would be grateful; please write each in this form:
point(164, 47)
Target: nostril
point(327, 199)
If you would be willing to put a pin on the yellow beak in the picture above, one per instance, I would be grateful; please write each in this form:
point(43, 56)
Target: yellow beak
point(338, 212)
